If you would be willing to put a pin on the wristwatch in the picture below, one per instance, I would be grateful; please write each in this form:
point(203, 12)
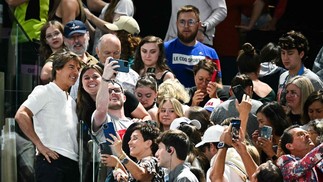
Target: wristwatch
point(204, 26)
point(222, 145)
point(125, 160)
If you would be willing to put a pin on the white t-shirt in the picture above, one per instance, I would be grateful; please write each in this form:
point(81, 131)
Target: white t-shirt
point(234, 169)
point(55, 119)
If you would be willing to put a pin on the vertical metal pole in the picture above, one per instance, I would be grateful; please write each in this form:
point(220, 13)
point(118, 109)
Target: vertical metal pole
point(81, 133)
point(8, 152)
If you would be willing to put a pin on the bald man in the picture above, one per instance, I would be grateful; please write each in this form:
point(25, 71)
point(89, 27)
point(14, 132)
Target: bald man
point(109, 45)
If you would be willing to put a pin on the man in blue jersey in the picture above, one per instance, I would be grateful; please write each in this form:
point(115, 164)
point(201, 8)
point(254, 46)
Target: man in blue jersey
point(185, 51)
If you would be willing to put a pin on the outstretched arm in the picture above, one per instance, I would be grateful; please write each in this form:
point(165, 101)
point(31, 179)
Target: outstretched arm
point(292, 169)
point(102, 98)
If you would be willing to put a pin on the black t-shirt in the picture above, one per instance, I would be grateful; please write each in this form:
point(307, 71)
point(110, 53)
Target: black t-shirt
point(131, 103)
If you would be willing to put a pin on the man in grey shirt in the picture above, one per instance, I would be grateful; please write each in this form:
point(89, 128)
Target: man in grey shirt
point(228, 108)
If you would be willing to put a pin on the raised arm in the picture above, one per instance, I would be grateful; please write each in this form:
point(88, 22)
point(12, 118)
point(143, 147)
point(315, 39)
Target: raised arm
point(137, 171)
point(217, 169)
point(292, 169)
point(102, 98)
point(244, 109)
point(241, 148)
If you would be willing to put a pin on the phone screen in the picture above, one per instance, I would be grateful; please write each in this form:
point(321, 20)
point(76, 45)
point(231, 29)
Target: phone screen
point(238, 92)
point(108, 128)
point(266, 131)
point(235, 127)
point(151, 70)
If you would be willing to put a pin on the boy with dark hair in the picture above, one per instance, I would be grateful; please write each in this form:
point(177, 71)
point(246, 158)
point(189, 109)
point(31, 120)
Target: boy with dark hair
point(173, 147)
point(294, 51)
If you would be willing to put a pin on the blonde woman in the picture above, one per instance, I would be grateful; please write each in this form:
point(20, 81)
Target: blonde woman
point(171, 88)
point(297, 91)
point(169, 109)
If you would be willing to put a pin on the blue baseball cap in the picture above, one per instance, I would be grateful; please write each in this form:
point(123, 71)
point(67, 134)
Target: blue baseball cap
point(74, 26)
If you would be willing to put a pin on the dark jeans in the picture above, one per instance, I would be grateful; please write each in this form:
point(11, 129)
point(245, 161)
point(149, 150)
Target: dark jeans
point(61, 170)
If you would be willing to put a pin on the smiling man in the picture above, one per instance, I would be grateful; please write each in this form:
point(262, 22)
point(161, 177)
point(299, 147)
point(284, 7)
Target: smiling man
point(110, 101)
point(301, 162)
point(76, 39)
point(48, 117)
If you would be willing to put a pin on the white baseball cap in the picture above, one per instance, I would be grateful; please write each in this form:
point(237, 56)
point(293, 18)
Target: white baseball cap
point(212, 103)
point(212, 134)
point(177, 122)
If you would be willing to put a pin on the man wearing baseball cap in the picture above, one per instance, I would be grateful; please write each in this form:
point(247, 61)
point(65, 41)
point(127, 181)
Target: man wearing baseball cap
point(184, 120)
point(210, 145)
point(76, 39)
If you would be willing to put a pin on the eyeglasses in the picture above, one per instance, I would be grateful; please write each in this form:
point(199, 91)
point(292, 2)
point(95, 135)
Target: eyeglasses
point(203, 80)
point(190, 22)
point(52, 35)
point(116, 90)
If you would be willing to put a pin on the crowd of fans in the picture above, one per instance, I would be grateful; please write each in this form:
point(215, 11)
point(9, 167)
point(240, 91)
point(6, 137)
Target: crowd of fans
point(169, 101)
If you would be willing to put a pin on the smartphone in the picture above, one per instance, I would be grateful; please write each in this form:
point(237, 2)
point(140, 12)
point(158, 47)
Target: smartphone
point(238, 92)
point(235, 127)
point(124, 65)
point(151, 70)
point(266, 132)
point(108, 128)
point(105, 148)
point(214, 75)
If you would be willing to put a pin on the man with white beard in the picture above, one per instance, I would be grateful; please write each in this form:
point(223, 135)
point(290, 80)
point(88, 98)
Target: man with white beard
point(76, 39)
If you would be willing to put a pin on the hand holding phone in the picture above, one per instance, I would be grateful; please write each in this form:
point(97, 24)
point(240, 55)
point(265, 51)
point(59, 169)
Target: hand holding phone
point(266, 132)
point(108, 128)
point(238, 92)
point(124, 65)
point(214, 75)
point(105, 148)
point(235, 128)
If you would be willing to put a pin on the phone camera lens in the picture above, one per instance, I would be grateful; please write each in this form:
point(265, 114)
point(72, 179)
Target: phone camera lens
point(105, 126)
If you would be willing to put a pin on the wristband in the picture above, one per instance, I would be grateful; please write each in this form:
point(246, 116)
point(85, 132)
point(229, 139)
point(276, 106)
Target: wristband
point(106, 80)
point(121, 157)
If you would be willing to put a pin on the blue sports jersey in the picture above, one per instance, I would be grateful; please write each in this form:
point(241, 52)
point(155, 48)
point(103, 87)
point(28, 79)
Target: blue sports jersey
point(181, 59)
